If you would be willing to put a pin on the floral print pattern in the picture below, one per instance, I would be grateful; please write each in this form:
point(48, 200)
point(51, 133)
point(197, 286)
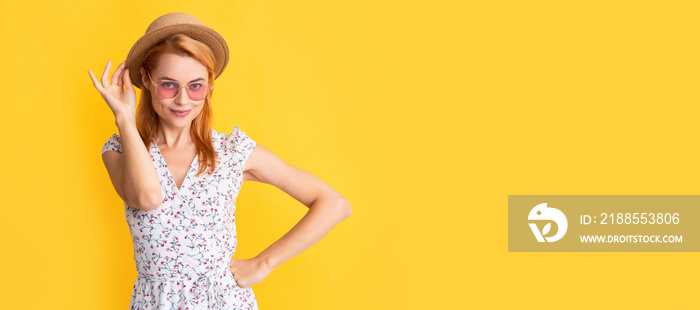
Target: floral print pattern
point(183, 248)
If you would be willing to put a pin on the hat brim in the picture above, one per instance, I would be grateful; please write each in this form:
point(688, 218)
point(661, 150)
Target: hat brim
point(204, 34)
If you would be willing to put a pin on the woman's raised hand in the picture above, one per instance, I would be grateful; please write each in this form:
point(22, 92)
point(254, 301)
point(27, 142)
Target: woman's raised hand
point(120, 94)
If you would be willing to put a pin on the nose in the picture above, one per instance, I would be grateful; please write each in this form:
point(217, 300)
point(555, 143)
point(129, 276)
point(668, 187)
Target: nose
point(182, 98)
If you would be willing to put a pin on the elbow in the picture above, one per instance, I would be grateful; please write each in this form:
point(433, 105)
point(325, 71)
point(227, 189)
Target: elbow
point(151, 201)
point(345, 208)
point(335, 206)
point(147, 201)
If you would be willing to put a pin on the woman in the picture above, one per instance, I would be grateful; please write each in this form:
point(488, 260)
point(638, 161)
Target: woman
point(179, 178)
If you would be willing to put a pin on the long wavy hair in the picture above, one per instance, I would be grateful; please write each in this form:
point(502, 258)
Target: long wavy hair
point(200, 129)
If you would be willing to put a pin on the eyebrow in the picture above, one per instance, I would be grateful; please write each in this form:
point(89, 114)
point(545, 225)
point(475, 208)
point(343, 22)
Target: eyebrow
point(195, 80)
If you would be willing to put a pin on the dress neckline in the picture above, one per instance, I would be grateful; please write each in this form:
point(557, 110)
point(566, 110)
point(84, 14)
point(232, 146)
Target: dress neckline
point(190, 169)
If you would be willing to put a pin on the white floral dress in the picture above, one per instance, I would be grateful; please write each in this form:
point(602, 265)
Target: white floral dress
point(183, 248)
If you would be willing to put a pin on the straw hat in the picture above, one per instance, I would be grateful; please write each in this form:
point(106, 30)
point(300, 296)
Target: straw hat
point(169, 24)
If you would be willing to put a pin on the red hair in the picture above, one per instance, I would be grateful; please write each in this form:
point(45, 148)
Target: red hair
point(200, 129)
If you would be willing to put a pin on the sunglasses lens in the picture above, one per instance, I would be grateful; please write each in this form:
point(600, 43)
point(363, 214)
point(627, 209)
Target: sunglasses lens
point(167, 90)
point(198, 91)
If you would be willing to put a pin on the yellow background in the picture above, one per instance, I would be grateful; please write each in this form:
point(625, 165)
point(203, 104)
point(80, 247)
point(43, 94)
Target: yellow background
point(425, 115)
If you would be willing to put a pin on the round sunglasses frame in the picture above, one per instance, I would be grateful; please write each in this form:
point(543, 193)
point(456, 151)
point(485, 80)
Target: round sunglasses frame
point(179, 89)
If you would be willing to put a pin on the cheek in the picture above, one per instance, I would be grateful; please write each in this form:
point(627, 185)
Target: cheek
point(198, 109)
point(159, 107)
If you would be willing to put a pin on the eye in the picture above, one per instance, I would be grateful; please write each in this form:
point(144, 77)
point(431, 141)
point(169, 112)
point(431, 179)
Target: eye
point(195, 86)
point(168, 84)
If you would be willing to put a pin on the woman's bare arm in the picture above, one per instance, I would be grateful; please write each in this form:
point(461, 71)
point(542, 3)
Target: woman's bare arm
point(327, 208)
point(132, 172)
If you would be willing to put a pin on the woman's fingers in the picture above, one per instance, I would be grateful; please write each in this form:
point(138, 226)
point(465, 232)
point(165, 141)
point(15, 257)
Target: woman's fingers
point(127, 80)
point(94, 81)
point(105, 74)
point(117, 76)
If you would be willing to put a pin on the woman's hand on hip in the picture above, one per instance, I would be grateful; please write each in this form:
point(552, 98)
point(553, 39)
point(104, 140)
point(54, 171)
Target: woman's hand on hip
point(120, 94)
point(249, 271)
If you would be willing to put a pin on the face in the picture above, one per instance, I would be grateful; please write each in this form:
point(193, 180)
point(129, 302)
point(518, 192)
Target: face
point(184, 70)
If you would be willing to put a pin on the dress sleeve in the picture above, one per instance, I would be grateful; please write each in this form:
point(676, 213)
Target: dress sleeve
point(239, 145)
point(113, 144)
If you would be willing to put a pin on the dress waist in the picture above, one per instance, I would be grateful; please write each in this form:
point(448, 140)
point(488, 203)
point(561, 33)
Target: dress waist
point(187, 273)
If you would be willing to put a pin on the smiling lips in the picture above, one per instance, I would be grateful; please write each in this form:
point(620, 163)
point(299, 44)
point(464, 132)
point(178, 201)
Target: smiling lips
point(180, 113)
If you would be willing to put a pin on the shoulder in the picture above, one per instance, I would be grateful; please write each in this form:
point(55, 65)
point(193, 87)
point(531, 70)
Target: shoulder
point(113, 143)
point(237, 141)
